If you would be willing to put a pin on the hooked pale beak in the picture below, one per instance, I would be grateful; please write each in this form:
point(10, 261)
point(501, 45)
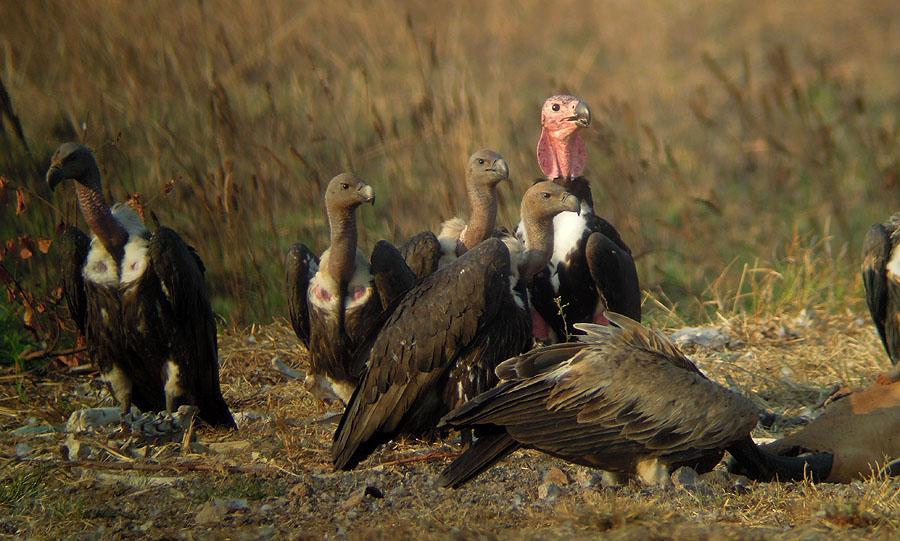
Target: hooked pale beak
point(571, 203)
point(501, 167)
point(54, 176)
point(582, 116)
point(367, 194)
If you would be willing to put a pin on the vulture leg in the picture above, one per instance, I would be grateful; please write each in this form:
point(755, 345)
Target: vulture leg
point(762, 465)
point(301, 265)
point(393, 277)
point(422, 253)
point(613, 270)
point(192, 373)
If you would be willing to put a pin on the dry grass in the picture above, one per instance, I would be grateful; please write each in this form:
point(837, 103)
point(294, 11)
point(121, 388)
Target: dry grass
point(727, 135)
point(784, 364)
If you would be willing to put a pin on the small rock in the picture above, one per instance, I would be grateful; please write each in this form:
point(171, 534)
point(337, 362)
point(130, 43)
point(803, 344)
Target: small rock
point(684, 477)
point(229, 447)
point(556, 476)
point(611, 479)
point(300, 491)
point(32, 430)
point(708, 337)
point(210, 513)
point(787, 333)
point(549, 491)
point(23, 450)
point(266, 508)
point(147, 526)
point(91, 419)
point(250, 416)
point(286, 370)
point(237, 504)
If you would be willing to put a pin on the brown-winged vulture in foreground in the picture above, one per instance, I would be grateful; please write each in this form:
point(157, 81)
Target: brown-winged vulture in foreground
point(444, 339)
point(623, 399)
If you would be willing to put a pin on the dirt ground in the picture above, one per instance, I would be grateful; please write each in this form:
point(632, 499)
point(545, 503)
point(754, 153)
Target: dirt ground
point(273, 479)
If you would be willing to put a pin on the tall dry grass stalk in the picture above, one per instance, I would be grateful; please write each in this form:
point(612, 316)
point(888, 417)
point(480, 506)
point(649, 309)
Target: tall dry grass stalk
point(730, 139)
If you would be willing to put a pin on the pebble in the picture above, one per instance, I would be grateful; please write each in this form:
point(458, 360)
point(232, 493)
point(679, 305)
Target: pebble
point(685, 478)
point(708, 337)
point(23, 450)
point(360, 496)
point(210, 513)
point(90, 419)
point(229, 447)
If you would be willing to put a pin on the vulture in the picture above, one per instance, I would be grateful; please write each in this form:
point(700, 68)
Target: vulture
point(425, 253)
point(446, 335)
point(139, 299)
point(881, 276)
point(623, 399)
point(338, 301)
point(859, 433)
point(591, 269)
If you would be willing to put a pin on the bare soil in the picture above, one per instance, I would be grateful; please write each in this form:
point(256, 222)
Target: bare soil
point(273, 479)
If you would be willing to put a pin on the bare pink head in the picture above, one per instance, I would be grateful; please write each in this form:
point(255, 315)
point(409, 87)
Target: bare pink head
point(561, 152)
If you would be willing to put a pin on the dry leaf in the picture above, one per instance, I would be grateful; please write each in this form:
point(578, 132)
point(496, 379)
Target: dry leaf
point(169, 186)
point(28, 318)
point(25, 253)
point(20, 201)
point(44, 245)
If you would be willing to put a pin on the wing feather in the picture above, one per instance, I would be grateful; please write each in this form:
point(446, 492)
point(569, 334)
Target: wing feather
point(301, 265)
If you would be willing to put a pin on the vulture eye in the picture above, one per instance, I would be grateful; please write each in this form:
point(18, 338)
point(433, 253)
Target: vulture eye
point(545, 195)
point(480, 161)
point(556, 107)
point(344, 185)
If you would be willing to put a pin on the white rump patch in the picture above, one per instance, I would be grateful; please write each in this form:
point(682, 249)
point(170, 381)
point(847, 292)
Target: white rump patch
point(893, 266)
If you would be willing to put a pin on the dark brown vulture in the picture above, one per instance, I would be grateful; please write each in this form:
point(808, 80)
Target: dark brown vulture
point(881, 276)
point(623, 399)
point(859, 432)
point(445, 337)
point(591, 269)
point(140, 300)
point(337, 303)
point(425, 253)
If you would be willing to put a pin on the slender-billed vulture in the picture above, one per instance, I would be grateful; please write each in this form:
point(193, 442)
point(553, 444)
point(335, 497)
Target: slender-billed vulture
point(140, 300)
point(591, 269)
point(441, 344)
point(623, 399)
point(881, 276)
point(425, 252)
point(337, 302)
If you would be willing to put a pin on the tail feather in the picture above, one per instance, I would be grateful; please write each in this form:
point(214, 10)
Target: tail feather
point(214, 412)
point(484, 453)
point(761, 465)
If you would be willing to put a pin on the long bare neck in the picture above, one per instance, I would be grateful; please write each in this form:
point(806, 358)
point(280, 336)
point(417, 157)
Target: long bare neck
point(483, 219)
point(538, 246)
point(342, 254)
point(99, 217)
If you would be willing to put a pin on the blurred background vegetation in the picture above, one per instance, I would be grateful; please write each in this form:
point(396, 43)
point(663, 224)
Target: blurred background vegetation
point(742, 148)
